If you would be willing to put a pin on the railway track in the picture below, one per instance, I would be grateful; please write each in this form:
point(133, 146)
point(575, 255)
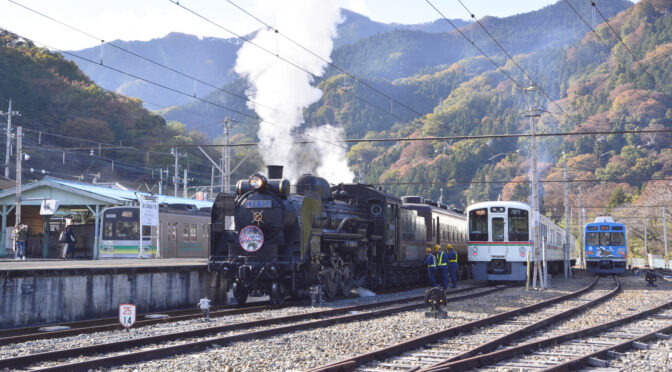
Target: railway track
point(568, 351)
point(17, 335)
point(440, 347)
point(146, 348)
point(58, 330)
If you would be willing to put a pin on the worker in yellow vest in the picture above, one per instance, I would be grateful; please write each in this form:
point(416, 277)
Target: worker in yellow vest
point(443, 267)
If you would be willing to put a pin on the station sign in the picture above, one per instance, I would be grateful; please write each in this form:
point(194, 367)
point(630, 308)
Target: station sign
point(127, 315)
point(149, 212)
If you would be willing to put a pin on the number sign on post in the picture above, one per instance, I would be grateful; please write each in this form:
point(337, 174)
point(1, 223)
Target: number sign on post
point(127, 315)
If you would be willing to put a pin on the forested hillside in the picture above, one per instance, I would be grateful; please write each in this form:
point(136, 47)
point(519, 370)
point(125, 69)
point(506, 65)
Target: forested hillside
point(73, 127)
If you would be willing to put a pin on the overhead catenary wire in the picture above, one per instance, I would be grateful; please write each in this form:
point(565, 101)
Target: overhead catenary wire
point(247, 40)
point(176, 90)
point(620, 40)
point(525, 73)
point(327, 61)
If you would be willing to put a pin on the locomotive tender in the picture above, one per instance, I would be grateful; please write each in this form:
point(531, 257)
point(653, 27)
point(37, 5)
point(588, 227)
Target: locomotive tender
point(273, 238)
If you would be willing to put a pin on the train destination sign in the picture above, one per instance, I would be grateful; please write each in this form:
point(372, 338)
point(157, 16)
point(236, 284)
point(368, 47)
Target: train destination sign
point(127, 315)
point(251, 238)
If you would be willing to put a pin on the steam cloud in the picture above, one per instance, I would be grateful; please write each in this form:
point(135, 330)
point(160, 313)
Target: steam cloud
point(287, 90)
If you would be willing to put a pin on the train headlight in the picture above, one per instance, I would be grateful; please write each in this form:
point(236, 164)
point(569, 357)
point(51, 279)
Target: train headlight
point(474, 251)
point(257, 182)
point(522, 251)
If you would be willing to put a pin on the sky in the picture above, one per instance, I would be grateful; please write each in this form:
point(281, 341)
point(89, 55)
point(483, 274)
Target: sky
point(148, 19)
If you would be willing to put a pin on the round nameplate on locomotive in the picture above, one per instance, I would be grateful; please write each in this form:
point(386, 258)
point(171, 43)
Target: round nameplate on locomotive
point(251, 238)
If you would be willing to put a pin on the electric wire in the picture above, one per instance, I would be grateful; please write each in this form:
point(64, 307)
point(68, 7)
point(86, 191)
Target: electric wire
point(508, 55)
point(176, 90)
point(618, 37)
point(245, 39)
point(343, 71)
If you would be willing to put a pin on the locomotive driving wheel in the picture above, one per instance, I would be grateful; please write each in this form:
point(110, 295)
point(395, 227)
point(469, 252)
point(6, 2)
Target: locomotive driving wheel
point(345, 283)
point(278, 292)
point(330, 279)
point(240, 293)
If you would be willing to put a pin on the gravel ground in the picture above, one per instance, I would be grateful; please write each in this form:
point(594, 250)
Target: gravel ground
point(37, 346)
point(306, 349)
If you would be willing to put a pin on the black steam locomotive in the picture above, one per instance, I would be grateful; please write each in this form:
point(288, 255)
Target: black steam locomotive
point(279, 239)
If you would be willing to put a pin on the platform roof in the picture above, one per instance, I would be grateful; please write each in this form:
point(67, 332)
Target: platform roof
point(81, 193)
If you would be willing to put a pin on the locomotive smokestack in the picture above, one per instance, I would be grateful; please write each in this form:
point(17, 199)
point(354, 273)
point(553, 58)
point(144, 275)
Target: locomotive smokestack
point(274, 172)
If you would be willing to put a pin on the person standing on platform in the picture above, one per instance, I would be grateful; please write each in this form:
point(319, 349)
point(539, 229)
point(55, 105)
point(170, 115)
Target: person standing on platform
point(430, 261)
point(70, 242)
point(443, 267)
point(452, 265)
point(21, 233)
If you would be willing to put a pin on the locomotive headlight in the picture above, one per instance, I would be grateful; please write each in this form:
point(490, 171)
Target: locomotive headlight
point(257, 182)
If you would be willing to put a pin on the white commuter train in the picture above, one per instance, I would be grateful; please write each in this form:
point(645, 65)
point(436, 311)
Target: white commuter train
point(501, 239)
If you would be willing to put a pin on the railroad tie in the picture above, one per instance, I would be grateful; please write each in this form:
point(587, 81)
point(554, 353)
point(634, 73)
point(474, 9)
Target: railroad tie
point(662, 336)
point(640, 345)
point(595, 362)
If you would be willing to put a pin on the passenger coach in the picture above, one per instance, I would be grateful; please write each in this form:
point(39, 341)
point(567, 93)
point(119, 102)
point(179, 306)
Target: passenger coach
point(501, 241)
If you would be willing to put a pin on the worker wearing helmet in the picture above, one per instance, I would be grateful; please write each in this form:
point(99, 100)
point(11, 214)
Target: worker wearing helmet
point(452, 265)
point(443, 267)
point(430, 261)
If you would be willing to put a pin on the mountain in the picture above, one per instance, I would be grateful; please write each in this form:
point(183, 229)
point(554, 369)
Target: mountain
point(209, 59)
point(74, 128)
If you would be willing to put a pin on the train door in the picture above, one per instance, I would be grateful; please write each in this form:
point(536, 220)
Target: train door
point(171, 239)
point(498, 232)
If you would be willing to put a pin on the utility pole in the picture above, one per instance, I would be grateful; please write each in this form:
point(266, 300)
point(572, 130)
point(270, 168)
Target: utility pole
point(538, 270)
point(667, 260)
point(225, 186)
point(176, 179)
point(184, 192)
point(646, 245)
point(19, 158)
point(581, 237)
point(9, 114)
point(160, 181)
point(567, 236)
point(212, 180)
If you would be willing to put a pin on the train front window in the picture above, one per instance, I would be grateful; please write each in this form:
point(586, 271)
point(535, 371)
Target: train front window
point(498, 229)
point(605, 238)
point(591, 238)
point(518, 225)
point(478, 225)
point(617, 238)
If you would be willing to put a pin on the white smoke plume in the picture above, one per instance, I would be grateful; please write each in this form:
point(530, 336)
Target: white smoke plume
point(285, 90)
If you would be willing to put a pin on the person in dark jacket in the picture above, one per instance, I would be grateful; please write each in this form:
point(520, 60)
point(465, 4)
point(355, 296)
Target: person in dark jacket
point(70, 242)
point(430, 261)
point(21, 234)
point(452, 265)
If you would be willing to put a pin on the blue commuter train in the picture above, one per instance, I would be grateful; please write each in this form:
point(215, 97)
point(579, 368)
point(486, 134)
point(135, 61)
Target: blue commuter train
point(605, 246)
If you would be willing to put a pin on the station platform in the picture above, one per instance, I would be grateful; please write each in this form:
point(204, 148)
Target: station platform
point(32, 267)
point(42, 291)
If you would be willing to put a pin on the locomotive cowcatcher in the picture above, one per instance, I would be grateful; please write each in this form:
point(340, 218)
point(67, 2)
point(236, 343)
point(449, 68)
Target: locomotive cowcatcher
point(270, 238)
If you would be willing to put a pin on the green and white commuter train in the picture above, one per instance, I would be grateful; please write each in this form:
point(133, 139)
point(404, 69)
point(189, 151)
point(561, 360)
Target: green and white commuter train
point(184, 233)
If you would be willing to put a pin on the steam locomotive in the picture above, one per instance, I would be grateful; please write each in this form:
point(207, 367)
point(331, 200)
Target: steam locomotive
point(276, 239)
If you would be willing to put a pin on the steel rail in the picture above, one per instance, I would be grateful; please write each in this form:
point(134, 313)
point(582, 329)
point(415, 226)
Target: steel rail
point(352, 363)
point(497, 356)
point(112, 324)
point(22, 361)
point(506, 339)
